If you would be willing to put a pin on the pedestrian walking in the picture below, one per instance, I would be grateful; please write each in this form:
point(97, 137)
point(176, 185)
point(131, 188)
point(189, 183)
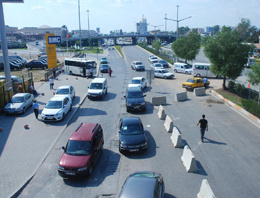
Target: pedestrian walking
point(110, 71)
point(91, 72)
point(35, 109)
point(203, 126)
point(51, 83)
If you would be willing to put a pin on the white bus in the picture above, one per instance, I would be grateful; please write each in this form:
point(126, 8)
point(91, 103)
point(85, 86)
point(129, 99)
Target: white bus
point(80, 66)
point(202, 70)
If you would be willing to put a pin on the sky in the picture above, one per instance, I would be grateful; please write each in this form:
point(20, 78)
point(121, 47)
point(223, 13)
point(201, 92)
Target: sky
point(111, 15)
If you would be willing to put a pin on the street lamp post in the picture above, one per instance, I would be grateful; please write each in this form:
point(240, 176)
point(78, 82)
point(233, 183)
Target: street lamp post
point(177, 21)
point(88, 24)
point(79, 24)
point(155, 26)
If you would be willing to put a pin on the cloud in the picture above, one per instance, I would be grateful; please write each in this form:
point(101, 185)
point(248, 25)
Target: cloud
point(39, 7)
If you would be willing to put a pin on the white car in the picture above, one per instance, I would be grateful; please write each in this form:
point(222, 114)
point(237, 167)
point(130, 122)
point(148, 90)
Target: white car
point(56, 108)
point(138, 65)
point(153, 58)
point(138, 82)
point(163, 73)
point(156, 66)
point(19, 103)
point(182, 68)
point(66, 90)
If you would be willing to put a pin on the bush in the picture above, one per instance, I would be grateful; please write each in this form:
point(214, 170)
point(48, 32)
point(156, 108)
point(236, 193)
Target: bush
point(251, 106)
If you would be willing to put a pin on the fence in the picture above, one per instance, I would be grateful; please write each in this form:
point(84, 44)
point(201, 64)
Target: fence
point(52, 72)
point(7, 92)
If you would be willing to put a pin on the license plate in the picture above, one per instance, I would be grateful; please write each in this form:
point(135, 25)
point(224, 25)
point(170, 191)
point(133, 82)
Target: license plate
point(133, 150)
point(49, 118)
point(69, 173)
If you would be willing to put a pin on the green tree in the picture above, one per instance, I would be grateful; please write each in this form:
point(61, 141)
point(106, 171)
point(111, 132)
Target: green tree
point(243, 29)
point(187, 47)
point(183, 30)
point(216, 29)
point(226, 54)
point(156, 45)
point(254, 74)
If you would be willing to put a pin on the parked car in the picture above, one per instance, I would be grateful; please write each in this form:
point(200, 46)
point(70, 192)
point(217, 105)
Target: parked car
point(138, 66)
point(182, 68)
point(156, 66)
point(135, 99)
point(82, 151)
point(143, 184)
point(19, 103)
point(132, 137)
point(56, 108)
point(104, 68)
point(66, 90)
point(164, 63)
point(13, 78)
point(36, 64)
point(15, 66)
point(163, 73)
point(139, 82)
point(192, 83)
point(103, 60)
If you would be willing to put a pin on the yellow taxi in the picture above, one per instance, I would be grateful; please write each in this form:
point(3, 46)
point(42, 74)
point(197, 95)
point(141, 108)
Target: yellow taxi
point(192, 83)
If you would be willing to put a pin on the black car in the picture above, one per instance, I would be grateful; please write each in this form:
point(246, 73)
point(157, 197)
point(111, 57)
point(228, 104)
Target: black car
point(36, 64)
point(132, 137)
point(104, 68)
point(135, 99)
point(164, 63)
point(143, 184)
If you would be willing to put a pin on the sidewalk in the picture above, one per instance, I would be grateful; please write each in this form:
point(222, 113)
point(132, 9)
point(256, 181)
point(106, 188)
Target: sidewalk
point(22, 151)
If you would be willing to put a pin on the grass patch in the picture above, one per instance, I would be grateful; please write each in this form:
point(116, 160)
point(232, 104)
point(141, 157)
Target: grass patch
point(118, 48)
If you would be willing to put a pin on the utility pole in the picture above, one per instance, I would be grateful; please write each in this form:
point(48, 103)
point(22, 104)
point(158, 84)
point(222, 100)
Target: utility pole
point(165, 22)
point(177, 36)
point(79, 24)
point(88, 24)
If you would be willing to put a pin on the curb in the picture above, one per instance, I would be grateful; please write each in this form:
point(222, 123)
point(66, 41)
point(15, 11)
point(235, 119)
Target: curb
point(239, 109)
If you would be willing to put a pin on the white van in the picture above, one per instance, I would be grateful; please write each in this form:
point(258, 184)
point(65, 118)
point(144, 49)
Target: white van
point(182, 68)
point(97, 88)
point(202, 70)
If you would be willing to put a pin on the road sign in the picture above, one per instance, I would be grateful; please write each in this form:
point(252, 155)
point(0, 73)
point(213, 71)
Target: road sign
point(54, 40)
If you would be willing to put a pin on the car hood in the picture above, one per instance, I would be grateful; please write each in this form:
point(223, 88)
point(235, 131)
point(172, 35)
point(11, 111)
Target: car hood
point(94, 91)
point(72, 161)
point(135, 100)
point(134, 85)
point(14, 105)
point(188, 70)
point(187, 83)
point(168, 74)
point(50, 111)
point(133, 139)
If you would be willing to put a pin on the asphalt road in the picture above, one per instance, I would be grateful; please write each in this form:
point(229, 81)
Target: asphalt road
point(229, 158)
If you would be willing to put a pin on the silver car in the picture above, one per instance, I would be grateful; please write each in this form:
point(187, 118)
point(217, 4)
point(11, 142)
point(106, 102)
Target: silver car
point(19, 103)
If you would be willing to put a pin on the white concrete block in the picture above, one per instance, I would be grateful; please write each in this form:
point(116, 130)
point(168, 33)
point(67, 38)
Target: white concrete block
point(176, 138)
point(168, 124)
point(205, 190)
point(189, 160)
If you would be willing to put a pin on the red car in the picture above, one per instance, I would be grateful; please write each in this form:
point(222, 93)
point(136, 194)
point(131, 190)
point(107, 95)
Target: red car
point(82, 151)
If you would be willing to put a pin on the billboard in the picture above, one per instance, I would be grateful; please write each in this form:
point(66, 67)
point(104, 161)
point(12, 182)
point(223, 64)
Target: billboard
point(51, 51)
point(11, 1)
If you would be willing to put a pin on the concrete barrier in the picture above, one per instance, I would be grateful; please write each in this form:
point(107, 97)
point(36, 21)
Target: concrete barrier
point(199, 91)
point(181, 96)
point(189, 160)
point(205, 190)
point(168, 124)
point(161, 113)
point(159, 100)
point(176, 138)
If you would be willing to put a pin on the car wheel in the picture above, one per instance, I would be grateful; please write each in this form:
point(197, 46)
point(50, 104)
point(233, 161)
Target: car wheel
point(165, 77)
point(186, 72)
point(24, 110)
point(70, 72)
point(70, 107)
point(44, 68)
point(90, 171)
point(175, 71)
point(197, 75)
point(63, 115)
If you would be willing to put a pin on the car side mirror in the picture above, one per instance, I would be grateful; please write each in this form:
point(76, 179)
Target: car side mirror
point(119, 131)
point(63, 148)
point(144, 95)
point(124, 96)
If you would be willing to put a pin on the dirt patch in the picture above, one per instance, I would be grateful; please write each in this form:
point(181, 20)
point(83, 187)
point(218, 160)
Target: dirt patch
point(210, 100)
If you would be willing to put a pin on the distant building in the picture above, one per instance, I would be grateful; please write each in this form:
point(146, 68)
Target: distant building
point(141, 27)
point(98, 30)
point(84, 33)
point(209, 30)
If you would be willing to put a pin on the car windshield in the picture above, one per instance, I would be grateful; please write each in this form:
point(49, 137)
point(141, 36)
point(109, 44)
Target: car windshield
point(104, 66)
point(63, 91)
point(162, 61)
point(191, 80)
point(78, 148)
point(132, 129)
point(164, 71)
point(95, 86)
point(157, 65)
point(135, 82)
point(54, 105)
point(138, 94)
point(153, 57)
point(138, 63)
point(187, 66)
point(17, 99)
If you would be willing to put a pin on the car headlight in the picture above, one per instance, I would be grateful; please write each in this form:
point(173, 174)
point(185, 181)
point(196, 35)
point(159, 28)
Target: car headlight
point(128, 104)
point(143, 103)
point(59, 112)
point(144, 144)
point(82, 169)
point(122, 145)
point(61, 168)
point(19, 109)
